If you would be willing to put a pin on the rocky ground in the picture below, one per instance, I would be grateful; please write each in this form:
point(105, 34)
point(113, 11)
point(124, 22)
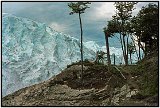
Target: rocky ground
point(102, 86)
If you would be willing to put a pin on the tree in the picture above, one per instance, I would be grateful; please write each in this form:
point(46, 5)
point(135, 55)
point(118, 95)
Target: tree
point(107, 45)
point(131, 50)
point(109, 32)
point(79, 8)
point(123, 15)
point(130, 33)
point(137, 32)
point(146, 27)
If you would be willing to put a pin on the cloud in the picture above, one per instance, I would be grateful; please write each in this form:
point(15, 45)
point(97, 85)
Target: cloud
point(105, 10)
point(58, 27)
point(102, 10)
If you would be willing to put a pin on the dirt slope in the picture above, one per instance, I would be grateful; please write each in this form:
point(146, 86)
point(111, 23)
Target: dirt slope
point(100, 87)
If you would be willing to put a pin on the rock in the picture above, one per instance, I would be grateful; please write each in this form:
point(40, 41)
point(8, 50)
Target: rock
point(115, 99)
point(131, 93)
point(125, 90)
point(105, 102)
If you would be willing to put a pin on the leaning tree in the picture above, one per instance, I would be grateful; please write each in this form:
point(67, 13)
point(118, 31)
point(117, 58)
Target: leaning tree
point(109, 32)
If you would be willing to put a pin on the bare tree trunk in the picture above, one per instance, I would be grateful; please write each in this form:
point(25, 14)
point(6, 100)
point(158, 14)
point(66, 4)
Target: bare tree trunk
point(122, 44)
point(130, 58)
point(81, 49)
point(114, 60)
point(139, 49)
point(139, 53)
point(107, 46)
point(127, 50)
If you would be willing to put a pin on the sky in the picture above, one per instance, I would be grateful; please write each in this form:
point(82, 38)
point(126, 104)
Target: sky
point(56, 15)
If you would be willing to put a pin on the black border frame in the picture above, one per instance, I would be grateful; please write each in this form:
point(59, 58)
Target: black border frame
point(74, 1)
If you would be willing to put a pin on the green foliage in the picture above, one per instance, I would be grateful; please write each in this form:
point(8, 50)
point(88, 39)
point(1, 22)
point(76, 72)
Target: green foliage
point(128, 27)
point(123, 16)
point(148, 83)
point(149, 87)
point(148, 19)
point(111, 28)
point(147, 72)
point(124, 10)
point(145, 25)
point(78, 7)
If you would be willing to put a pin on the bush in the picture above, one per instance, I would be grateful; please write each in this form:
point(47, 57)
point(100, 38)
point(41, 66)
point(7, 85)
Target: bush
point(86, 62)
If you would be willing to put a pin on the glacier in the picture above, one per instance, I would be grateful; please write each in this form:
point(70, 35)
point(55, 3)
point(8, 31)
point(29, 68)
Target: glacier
point(32, 52)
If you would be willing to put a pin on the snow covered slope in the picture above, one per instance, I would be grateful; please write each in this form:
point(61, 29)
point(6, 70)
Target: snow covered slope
point(33, 52)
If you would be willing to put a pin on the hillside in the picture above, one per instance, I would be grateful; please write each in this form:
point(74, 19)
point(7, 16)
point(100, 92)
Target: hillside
point(118, 86)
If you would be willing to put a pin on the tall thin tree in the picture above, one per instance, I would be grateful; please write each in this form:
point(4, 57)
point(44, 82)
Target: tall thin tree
point(79, 8)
